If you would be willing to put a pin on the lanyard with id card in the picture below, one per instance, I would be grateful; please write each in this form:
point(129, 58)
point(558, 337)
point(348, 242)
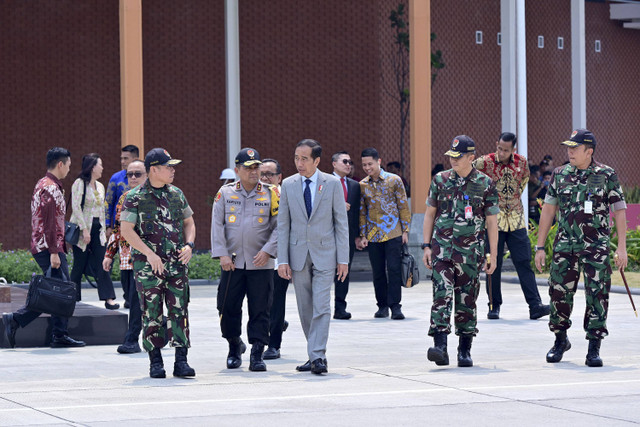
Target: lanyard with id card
point(588, 205)
point(468, 210)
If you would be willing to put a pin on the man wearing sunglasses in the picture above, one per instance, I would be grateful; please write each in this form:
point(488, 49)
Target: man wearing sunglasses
point(342, 166)
point(136, 175)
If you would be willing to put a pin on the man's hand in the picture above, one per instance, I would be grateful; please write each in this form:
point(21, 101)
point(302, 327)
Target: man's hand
point(156, 264)
point(348, 205)
point(261, 259)
point(284, 271)
point(108, 232)
point(185, 254)
point(490, 268)
point(540, 258)
point(343, 270)
point(55, 260)
point(363, 243)
point(426, 258)
point(86, 236)
point(226, 264)
point(405, 237)
point(106, 264)
point(621, 259)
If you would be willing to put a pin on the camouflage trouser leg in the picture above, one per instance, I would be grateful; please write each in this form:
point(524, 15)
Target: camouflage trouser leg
point(172, 290)
point(455, 284)
point(563, 281)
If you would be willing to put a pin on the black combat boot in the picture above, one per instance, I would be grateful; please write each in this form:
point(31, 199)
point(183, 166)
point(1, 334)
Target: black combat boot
point(561, 345)
point(156, 369)
point(255, 361)
point(438, 353)
point(180, 367)
point(464, 351)
point(593, 356)
point(236, 348)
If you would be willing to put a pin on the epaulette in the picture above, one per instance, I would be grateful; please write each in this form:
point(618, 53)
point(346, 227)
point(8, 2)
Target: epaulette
point(275, 199)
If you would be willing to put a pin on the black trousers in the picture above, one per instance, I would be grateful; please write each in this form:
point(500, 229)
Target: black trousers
point(276, 316)
point(24, 316)
point(520, 248)
point(135, 310)
point(257, 285)
point(93, 254)
point(386, 259)
point(342, 288)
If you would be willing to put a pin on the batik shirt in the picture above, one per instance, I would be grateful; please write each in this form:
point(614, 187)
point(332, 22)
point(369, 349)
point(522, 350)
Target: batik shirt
point(158, 215)
point(510, 180)
point(456, 237)
point(47, 216)
point(118, 184)
point(117, 242)
point(571, 189)
point(384, 209)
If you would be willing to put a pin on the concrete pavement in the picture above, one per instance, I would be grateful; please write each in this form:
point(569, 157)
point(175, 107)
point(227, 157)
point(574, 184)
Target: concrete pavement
point(378, 374)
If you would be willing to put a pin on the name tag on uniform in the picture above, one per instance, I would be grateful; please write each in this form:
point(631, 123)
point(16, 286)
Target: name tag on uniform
point(468, 212)
point(588, 207)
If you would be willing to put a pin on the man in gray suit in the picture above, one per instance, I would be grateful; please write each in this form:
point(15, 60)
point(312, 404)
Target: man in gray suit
point(313, 240)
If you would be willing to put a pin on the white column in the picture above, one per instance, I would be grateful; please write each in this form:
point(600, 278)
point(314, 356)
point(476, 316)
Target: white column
point(521, 78)
point(508, 61)
point(578, 67)
point(232, 44)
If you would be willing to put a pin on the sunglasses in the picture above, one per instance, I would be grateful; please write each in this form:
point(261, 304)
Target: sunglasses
point(347, 162)
point(136, 174)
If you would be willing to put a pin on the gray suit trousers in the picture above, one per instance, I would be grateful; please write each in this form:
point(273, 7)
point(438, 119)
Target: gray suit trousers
point(313, 294)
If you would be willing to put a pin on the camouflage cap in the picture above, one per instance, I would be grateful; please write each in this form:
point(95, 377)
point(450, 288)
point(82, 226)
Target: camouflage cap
point(579, 137)
point(461, 144)
point(159, 157)
point(248, 157)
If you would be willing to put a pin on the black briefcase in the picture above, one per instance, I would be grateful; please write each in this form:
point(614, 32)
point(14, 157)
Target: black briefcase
point(50, 295)
point(409, 268)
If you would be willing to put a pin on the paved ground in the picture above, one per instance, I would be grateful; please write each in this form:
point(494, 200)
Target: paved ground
point(378, 375)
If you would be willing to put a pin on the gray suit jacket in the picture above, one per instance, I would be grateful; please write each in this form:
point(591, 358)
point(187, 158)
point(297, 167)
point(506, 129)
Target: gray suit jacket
point(324, 235)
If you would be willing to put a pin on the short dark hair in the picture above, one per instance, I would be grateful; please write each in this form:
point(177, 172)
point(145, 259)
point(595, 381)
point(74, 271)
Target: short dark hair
point(370, 152)
point(396, 164)
point(55, 155)
point(337, 155)
point(508, 137)
point(316, 149)
point(534, 168)
point(545, 173)
point(88, 162)
point(131, 149)
point(274, 161)
point(593, 147)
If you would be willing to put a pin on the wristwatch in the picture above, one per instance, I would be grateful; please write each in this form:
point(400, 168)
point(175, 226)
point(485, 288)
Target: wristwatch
point(426, 245)
point(539, 248)
point(191, 244)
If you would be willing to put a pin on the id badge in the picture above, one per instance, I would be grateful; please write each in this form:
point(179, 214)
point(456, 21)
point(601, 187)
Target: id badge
point(468, 212)
point(588, 207)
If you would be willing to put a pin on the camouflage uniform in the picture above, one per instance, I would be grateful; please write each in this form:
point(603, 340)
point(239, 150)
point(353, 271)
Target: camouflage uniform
point(582, 242)
point(458, 247)
point(158, 215)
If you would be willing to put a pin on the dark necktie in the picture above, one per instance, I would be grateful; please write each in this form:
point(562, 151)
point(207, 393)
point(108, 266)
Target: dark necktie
point(307, 197)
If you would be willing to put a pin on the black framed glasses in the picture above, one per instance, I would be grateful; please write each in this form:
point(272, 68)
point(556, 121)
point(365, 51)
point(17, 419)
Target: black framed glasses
point(347, 162)
point(132, 174)
point(268, 174)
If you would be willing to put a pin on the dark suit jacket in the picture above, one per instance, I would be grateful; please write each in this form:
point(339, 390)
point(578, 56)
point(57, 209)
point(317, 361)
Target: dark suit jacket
point(353, 214)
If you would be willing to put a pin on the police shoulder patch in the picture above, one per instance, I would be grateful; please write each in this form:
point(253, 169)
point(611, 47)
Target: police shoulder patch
point(275, 200)
point(218, 196)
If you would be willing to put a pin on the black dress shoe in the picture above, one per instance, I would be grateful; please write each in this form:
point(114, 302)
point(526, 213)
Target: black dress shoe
point(66, 341)
point(539, 311)
point(494, 313)
point(318, 367)
point(10, 328)
point(396, 313)
point(271, 353)
point(382, 313)
point(111, 306)
point(129, 348)
point(342, 315)
point(307, 366)
point(285, 325)
point(236, 348)
point(127, 305)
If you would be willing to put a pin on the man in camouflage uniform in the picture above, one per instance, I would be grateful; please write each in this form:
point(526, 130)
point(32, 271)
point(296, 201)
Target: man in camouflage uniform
point(582, 192)
point(158, 223)
point(243, 222)
point(462, 202)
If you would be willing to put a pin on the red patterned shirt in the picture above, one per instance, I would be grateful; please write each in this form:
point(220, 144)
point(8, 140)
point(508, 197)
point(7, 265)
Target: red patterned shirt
point(48, 209)
point(117, 242)
point(510, 180)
